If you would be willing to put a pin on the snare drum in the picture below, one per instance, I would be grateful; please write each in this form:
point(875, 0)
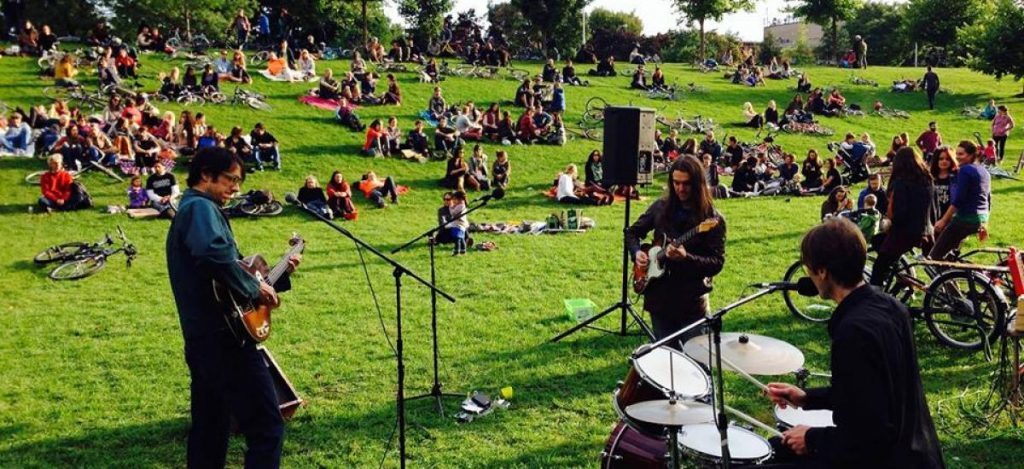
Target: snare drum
point(627, 448)
point(702, 442)
point(649, 379)
point(792, 416)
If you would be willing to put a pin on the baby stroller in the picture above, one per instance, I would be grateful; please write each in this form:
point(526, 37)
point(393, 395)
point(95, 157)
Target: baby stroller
point(852, 165)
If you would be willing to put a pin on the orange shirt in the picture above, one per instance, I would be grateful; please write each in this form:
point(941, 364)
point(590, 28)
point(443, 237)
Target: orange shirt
point(276, 66)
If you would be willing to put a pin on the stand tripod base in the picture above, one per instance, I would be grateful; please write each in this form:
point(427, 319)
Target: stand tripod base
point(627, 309)
point(437, 395)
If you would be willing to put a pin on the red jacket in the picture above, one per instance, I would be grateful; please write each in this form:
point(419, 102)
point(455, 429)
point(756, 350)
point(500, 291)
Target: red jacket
point(526, 127)
point(56, 186)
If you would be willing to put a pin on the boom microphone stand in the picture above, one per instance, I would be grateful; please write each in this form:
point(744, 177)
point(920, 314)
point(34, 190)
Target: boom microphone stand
point(399, 271)
point(435, 390)
point(624, 304)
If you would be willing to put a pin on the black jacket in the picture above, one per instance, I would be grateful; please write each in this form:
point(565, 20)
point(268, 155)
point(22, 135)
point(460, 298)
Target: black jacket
point(878, 404)
point(911, 208)
point(687, 279)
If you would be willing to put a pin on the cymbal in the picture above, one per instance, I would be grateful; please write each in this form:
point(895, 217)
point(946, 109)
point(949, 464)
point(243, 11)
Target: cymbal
point(754, 354)
point(671, 413)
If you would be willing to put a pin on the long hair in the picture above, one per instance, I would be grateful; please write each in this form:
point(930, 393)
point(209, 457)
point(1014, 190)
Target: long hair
point(933, 167)
point(700, 194)
point(908, 167)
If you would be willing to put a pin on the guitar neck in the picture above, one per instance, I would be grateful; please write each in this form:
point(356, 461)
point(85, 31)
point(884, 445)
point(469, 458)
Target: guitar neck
point(282, 265)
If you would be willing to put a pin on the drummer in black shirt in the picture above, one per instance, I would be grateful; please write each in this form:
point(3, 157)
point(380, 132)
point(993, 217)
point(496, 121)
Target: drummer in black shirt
point(879, 408)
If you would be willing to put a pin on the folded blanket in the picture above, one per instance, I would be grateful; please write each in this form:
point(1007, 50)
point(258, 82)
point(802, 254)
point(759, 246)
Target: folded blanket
point(318, 102)
point(550, 193)
point(284, 76)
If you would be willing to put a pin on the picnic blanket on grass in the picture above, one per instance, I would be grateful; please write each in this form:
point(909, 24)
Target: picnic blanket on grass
point(318, 102)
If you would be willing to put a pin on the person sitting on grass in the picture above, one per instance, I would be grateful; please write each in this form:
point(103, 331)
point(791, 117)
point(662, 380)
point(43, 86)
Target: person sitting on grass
point(277, 67)
point(816, 104)
point(394, 94)
point(658, 79)
point(478, 168)
point(456, 174)
point(744, 179)
point(171, 86)
point(376, 139)
point(524, 95)
point(241, 149)
point(569, 75)
point(163, 191)
point(436, 107)
point(569, 190)
point(507, 131)
point(549, 74)
point(501, 170)
point(836, 101)
point(418, 140)
point(527, 128)
point(466, 126)
point(209, 81)
point(803, 84)
point(313, 197)
point(832, 177)
point(869, 219)
point(446, 138)
point(605, 68)
point(328, 87)
point(137, 197)
point(489, 122)
point(639, 81)
point(555, 133)
point(838, 201)
point(377, 190)
point(752, 117)
point(771, 115)
point(393, 137)
point(65, 71)
point(59, 189)
point(238, 72)
point(431, 71)
point(788, 169)
point(265, 146)
point(346, 114)
point(339, 197)
point(990, 110)
point(593, 175)
point(811, 172)
point(305, 66)
point(17, 136)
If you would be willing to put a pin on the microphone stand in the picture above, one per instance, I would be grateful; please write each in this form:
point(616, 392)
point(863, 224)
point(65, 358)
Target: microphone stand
point(435, 390)
point(714, 323)
point(399, 271)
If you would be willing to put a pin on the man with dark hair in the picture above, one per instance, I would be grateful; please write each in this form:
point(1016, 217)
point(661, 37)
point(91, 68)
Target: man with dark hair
point(711, 146)
point(681, 296)
point(970, 203)
point(228, 380)
point(930, 83)
point(879, 408)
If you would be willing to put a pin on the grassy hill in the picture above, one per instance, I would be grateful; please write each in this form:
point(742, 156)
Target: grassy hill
point(94, 372)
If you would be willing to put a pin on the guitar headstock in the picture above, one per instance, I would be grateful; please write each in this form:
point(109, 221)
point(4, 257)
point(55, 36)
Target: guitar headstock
point(707, 225)
point(296, 240)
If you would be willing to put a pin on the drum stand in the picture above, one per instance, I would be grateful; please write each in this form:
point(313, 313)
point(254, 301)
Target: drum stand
point(623, 305)
point(714, 323)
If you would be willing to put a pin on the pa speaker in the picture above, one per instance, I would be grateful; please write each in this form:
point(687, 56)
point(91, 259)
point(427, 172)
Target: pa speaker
point(628, 156)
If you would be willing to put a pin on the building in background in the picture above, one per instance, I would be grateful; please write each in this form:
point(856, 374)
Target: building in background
point(787, 31)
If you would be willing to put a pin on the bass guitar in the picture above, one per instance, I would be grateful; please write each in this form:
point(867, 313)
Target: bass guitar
point(657, 259)
point(246, 319)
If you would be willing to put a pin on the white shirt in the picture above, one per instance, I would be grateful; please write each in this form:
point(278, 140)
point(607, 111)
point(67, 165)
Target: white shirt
point(566, 188)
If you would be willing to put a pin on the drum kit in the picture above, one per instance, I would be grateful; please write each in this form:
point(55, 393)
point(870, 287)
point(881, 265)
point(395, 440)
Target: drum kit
point(667, 403)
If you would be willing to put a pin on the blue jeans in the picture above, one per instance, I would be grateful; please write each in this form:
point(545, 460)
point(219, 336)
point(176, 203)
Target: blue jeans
point(267, 154)
point(18, 141)
point(459, 235)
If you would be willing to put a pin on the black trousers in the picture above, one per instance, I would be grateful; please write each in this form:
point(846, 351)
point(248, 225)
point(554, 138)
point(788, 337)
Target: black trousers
point(1000, 146)
point(689, 311)
point(230, 381)
point(931, 98)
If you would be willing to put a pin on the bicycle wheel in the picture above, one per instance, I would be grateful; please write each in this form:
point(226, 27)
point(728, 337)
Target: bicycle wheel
point(259, 58)
point(55, 92)
point(596, 133)
point(810, 308)
point(822, 130)
point(463, 70)
point(174, 43)
point(518, 74)
point(596, 103)
point(33, 178)
point(77, 269)
point(963, 310)
point(216, 97)
point(59, 252)
point(257, 104)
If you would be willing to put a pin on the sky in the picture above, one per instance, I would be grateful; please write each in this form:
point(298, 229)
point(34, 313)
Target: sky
point(659, 16)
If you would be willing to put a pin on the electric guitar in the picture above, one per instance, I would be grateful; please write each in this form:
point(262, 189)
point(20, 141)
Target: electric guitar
point(246, 319)
point(657, 259)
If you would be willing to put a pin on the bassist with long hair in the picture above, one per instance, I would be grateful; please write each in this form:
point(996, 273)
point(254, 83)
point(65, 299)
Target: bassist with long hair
point(689, 239)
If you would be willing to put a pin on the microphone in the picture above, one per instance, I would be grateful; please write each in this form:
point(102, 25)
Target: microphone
point(497, 194)
point(804, 286)
point(290, 198)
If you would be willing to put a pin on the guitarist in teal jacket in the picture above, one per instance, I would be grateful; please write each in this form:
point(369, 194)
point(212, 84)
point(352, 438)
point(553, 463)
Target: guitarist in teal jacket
point(680, 296)
point(228, 380)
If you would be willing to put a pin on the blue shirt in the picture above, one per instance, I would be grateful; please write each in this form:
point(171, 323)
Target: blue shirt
point(971, 193)
point(558, 100)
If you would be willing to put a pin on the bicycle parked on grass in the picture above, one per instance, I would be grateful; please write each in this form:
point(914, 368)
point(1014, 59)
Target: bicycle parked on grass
point(34, 177)
point(812, 128)
point(249, 98)
point(857, 80)
point(255, 203)
point(81, 259)
point(964, 304)
point(890, 113)
point(697, 124)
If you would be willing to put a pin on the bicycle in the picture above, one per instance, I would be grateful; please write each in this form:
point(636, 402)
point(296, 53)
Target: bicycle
point(250, 98)
point(856, 80)
point(891, 113)
point(961, 307)
point(813, 128)
point(196, 42)
point(252, 204)
point(667, 93)
point(81, 259)
point(697, 125)
point(34, 177)
point(187, 97)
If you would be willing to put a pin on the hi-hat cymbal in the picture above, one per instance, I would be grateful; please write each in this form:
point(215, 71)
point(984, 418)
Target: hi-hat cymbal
point(671, 413)
point(754, 354)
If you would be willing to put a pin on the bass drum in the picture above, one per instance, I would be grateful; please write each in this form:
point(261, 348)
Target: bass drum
point(627, 448)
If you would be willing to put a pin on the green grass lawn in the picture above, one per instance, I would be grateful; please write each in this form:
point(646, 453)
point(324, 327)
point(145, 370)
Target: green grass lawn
point(93, 370)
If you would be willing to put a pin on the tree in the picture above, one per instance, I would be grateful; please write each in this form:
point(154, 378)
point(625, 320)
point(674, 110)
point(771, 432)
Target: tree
point(64, 18)
point(994, 44)
point(337, 21)
point(936, 23)
point(363, 15)
point(769, 48)
point(603, 19)
point(828, 14)
point(211, 17)
point(800, 52)
point(425, 17)
point(880, 26)
point(554, 21)
point(507, 18)
point(700, 11)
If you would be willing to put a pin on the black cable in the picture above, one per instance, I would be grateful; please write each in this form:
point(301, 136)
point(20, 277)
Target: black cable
point(387, 448)
point(376, 303)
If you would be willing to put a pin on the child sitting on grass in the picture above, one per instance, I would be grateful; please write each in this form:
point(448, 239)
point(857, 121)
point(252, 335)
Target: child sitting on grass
point(137, 197)
point(869, 218)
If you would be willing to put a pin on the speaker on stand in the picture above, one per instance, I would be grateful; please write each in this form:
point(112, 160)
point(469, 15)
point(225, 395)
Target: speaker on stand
point(627, 161)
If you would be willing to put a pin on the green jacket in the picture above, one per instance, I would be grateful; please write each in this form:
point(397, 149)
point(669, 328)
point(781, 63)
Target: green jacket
point(201, 248)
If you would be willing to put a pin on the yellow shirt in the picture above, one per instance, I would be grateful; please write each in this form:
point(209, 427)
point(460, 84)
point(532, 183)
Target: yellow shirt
point(64, 71)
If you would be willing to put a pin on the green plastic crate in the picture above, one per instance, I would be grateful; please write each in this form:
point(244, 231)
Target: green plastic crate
point(579, 309)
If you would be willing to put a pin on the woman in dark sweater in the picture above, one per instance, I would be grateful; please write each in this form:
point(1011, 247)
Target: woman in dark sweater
point(312, 195)
point(943, 170)
point(832, 177)
point(910, 202)
point(811, 171)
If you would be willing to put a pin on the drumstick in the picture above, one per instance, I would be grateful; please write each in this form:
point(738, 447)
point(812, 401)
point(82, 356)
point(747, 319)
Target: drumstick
point(744, 374)
point(754, 422)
